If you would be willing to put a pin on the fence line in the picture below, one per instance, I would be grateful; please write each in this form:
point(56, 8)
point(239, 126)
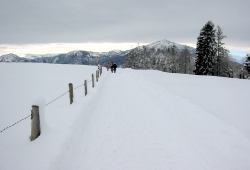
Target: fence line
point(57, 98)
point(81, 85)
point(17, 122)
point(77, 87)
point(63, 94)
point(47, 104)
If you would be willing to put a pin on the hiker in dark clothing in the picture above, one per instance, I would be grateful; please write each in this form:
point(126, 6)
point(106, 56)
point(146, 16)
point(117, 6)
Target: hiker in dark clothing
point(113, 67)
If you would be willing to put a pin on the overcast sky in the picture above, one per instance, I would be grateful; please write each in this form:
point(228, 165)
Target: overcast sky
point(144, 21)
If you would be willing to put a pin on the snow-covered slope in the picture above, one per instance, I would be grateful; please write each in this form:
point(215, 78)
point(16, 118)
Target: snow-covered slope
point(162, 44)
point(34, 56)
point(136, 120)
point(12, 58)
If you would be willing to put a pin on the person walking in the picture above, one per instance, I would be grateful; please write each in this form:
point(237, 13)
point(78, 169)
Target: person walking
point(114, 67)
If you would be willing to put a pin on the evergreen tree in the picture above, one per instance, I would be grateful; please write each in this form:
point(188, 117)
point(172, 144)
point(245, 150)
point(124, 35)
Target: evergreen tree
point(221, 67)
point(219, 50)
point(206, 50)
point(132, 57)
point(247, 64)
point(184, 61)
point(172, 61)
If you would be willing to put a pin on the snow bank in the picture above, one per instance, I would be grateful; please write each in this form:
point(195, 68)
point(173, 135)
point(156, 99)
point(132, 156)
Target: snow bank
point(133, 120)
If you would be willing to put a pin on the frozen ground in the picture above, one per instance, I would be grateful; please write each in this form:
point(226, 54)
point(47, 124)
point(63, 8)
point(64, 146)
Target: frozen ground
point(136, 120)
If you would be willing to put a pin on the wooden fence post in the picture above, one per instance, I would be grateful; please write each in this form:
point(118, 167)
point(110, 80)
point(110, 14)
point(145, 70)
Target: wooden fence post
point(86, 88)
point(93, 81)
point(71, 93)
point(96, 75)
point(35, 123)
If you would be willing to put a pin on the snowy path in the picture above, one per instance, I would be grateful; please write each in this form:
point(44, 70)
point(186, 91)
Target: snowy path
point(134, 123)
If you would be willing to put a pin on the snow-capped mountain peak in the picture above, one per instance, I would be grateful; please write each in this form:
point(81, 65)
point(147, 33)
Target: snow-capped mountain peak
point(167, 44)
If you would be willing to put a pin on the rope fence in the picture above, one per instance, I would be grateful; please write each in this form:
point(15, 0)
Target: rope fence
point(17, 122)
point(79, 86)
point(35, 124)
point(57, 98)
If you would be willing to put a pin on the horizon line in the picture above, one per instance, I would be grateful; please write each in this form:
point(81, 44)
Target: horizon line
point(27, 49)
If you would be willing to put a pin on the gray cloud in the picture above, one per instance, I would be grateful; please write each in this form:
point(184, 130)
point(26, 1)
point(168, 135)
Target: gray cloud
point(45, 21)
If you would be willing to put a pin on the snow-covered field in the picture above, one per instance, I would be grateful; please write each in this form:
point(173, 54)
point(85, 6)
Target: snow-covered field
point(132, 120)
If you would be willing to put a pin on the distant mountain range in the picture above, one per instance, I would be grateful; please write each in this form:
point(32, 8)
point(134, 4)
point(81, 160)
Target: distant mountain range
point(73, 57)
point(90, 58)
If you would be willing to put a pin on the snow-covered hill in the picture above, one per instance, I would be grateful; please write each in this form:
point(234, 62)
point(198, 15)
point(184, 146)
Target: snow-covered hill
point(164, 56)
point(136, 120)
point(163, 44)
point(12, 58)
point(34, 56)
